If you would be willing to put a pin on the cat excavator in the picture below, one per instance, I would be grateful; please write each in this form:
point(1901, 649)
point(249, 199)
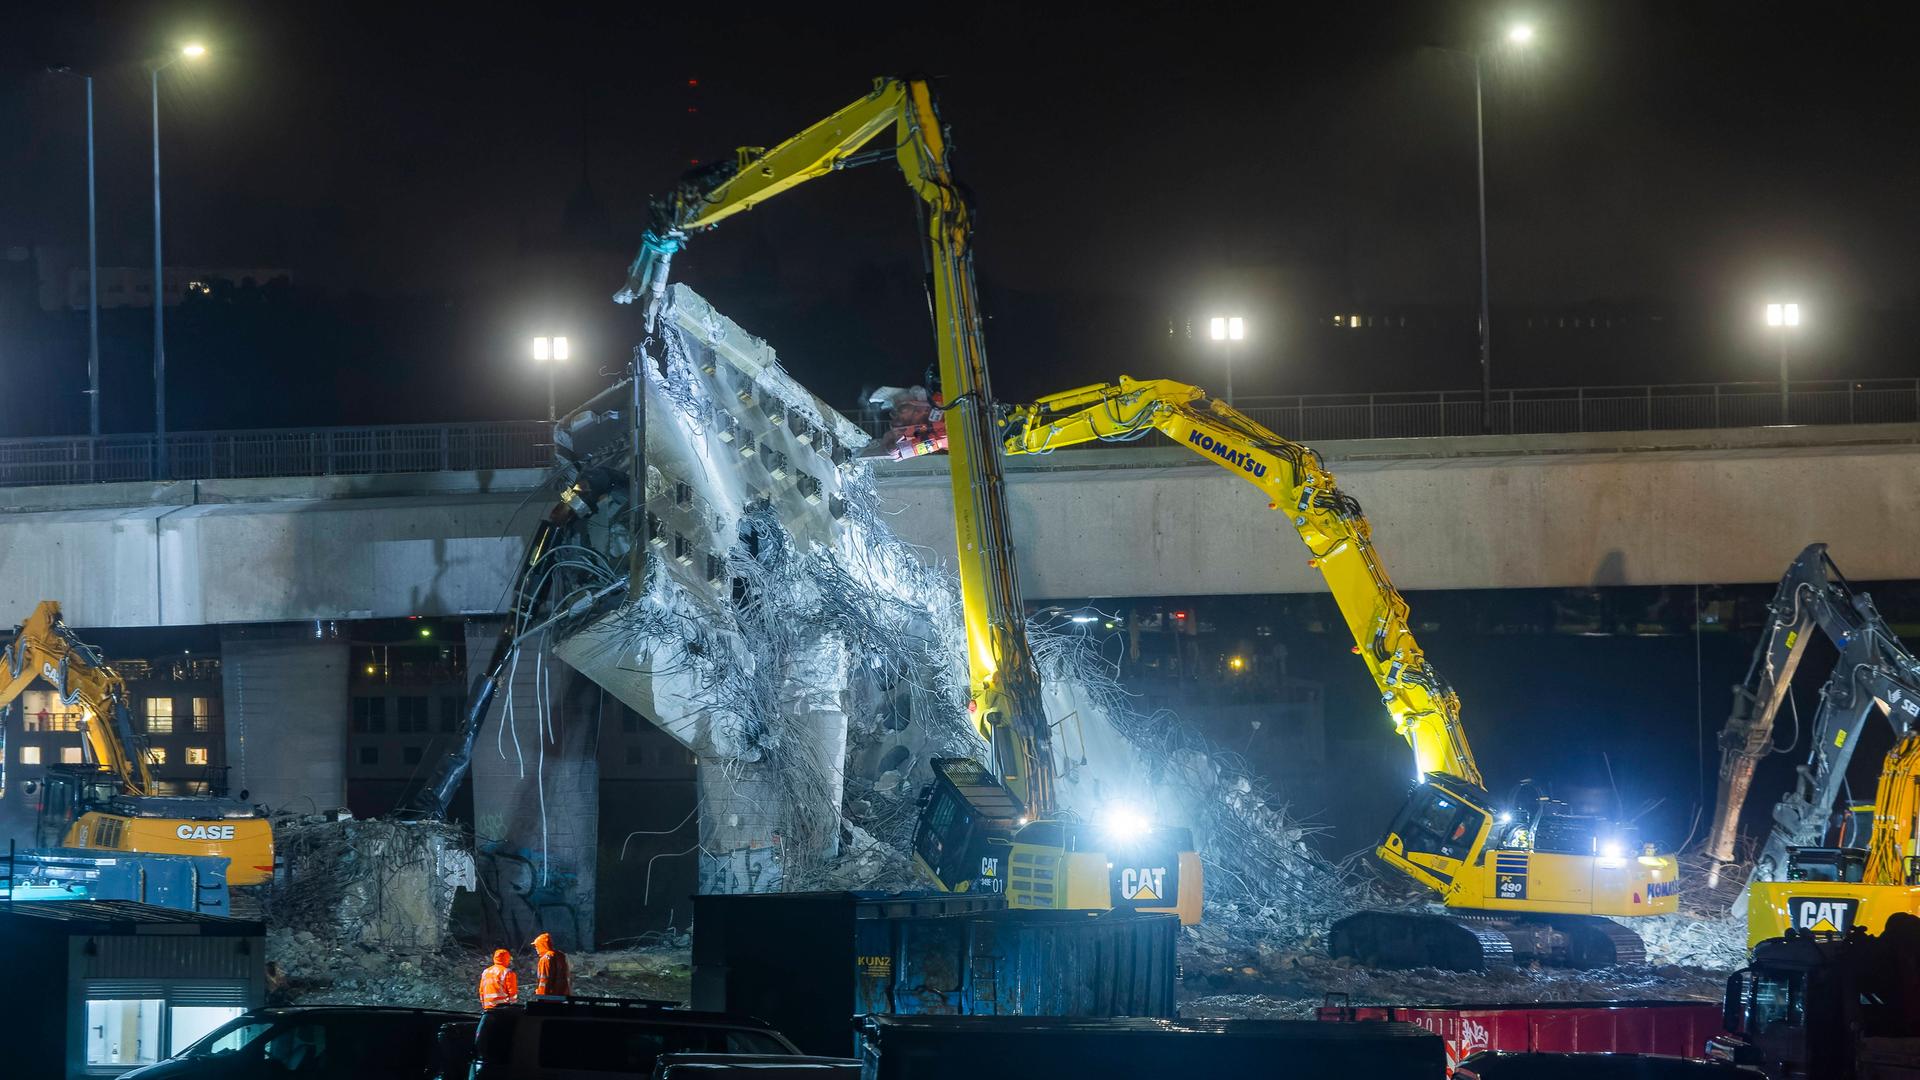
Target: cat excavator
point(978, 820)
point(1799, 880)
point(1519, 883)
point(111, 802)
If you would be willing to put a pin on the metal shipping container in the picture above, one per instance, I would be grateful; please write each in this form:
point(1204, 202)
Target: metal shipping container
point(808, 963)
point(1677, 1028)
point(969, 1047)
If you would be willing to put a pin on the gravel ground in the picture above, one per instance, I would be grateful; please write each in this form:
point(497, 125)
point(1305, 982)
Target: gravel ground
point(320, 974)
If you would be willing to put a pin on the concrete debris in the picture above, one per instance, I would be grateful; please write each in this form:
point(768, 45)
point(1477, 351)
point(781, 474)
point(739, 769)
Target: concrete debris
point(1713, 943)
point(1224, 974)
point(381, 885)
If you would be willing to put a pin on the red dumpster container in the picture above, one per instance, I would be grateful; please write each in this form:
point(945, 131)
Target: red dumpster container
point(1678, 1028)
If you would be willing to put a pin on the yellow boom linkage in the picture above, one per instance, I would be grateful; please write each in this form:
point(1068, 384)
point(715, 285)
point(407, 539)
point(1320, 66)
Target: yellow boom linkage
point(970, 813)
point(1545, 874)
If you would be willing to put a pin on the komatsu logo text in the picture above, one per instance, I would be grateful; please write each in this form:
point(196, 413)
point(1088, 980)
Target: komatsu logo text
point(1226, 453)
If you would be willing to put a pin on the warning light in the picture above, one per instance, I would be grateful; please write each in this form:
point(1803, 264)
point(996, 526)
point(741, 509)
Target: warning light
point(1237, 663)
point(693, 82)
point(1180, 615)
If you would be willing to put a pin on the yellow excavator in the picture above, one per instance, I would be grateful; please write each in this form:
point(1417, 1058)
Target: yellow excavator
point(978, 821)
point(1801, 879)
point(110, 803)
point(1520, 883)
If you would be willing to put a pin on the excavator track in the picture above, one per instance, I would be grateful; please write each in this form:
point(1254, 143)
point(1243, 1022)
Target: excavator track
point(1477, 941)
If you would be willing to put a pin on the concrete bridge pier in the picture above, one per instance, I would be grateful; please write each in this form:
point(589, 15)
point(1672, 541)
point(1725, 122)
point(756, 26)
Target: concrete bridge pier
point(536, 797)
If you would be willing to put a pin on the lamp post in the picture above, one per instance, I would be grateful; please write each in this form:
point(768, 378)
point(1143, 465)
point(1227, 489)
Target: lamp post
point(189, 52)
point(1784, 320)
point(1227, 329)
point(550, 352)
point(1517, 35)
point(93, 270)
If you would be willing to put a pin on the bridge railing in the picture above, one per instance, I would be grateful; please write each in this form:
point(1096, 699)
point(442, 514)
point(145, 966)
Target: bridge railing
point(1324, 417)
point(516, 444)
point(234, 455)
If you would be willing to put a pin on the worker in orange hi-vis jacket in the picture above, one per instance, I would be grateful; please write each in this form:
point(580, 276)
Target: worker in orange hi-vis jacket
point(552, 977)
point(498, 984)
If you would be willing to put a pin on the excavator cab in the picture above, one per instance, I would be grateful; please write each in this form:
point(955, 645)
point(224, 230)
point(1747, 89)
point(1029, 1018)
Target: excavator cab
point(66, 795)
point(966, 818)
point(1438, 830)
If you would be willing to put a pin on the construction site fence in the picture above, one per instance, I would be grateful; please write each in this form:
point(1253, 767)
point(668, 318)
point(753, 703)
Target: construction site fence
point(1312, 418)
point(523, 444)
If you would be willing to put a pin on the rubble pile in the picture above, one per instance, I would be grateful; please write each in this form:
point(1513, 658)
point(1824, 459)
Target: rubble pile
point(382, 885)
point(1712, 942)
point(1225, 973)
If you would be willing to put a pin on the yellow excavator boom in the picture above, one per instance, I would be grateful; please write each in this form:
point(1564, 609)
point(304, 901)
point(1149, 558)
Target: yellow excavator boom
point(43, 648)
point(1424, 709)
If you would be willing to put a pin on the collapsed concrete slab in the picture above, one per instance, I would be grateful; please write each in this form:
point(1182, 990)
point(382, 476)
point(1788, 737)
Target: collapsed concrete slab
point(384, 885)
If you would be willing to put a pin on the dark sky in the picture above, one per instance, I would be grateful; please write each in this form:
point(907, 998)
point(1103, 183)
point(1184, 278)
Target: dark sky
point(1132, 165)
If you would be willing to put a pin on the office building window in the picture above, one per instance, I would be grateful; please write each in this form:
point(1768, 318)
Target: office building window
point(29, 755)
point(369, 755)
point(70, 755)
point(636, 755)
point(369, 715)
point(156, 755)
point(410, 714)
point(196, 755)
point(449, 714)
point(410, 755)
point(159, 716)
point(41, 710)
point(203, 714)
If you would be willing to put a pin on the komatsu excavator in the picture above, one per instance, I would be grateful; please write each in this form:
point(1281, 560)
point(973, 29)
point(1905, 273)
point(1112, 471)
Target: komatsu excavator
point(1799, 880)
point(1520, 883)
point(978, 821)
point(110, 802)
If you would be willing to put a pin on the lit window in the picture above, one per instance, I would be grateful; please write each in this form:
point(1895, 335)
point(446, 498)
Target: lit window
point(160, 716)
point(124, 1032)
point(29, 755)
point(203, 714)
point(70, 755)
point(157, 755)
point(188, 1023)
point(196, 755)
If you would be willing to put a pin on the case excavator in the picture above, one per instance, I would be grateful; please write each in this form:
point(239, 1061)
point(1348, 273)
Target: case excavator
point(111, 802)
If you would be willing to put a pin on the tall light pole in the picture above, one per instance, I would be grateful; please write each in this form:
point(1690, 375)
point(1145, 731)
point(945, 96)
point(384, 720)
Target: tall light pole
point(188, 52)
point(93, 270)
point(551, 352)
point(1518, 35)
point(1784, 320)
point(1227, 329)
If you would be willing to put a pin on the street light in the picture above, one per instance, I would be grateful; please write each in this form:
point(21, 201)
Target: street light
point(1783, 319)
point(93, 271)
point(1518, 35)
point(550, 351)
point(192, 51)
point(1227, 329)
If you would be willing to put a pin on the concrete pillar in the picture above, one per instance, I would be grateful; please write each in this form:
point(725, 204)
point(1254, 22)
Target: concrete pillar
point(285, 694)
point(536, 801)
point(764, 822)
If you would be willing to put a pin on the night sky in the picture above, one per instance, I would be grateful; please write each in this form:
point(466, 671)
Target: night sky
point(442, 182)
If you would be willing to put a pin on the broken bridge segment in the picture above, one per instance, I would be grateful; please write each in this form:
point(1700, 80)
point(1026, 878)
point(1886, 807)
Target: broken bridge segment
point(742, 463)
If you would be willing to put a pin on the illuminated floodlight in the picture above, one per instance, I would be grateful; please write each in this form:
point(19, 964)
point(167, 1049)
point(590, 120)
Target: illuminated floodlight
point(560, 350)
point(1125, 823)
point(1612, 849)
point(1237, 663)
point(1520, 33)
point(1236, 328)
point(1505, 818)
point(542, 348)
point(193, 51)
point(1783, 315)
point(1084, 618)
point(1217, 327)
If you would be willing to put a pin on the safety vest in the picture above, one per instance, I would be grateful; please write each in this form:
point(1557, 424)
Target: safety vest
point(554, 977)
point(498, 986)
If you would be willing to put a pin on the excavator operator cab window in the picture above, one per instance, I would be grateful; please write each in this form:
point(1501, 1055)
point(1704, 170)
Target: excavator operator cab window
point(57, 811)
point(1437, 822)
point(1827, 864)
